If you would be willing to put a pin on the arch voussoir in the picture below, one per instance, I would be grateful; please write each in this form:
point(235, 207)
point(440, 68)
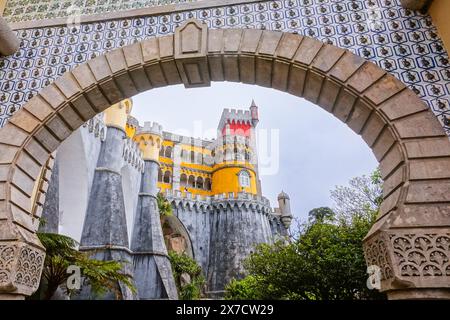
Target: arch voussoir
point(406, 138)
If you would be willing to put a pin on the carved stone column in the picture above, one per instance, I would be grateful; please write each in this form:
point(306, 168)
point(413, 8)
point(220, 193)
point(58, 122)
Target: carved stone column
point(21, 261)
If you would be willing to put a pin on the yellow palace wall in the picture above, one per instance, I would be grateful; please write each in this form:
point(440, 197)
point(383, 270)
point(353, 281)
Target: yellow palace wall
point(440, 11)
point(226, 180)
point(224, 177)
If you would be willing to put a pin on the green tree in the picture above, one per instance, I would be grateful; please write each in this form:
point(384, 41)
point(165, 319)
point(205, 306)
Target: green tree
point(183, 266)
point(325, 261)
point(362, 197)
point(61, 253)
point(164, 206)
point(245, 289)
point(321, 214)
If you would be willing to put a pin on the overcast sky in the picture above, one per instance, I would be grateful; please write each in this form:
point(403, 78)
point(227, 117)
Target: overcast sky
point(309, 151)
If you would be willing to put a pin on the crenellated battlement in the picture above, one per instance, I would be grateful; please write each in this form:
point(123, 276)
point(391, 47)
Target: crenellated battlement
point(236, 115)
point(186, 140)
point(97, 127)
point(219, 201)
point(132, 122)
point(151, 128)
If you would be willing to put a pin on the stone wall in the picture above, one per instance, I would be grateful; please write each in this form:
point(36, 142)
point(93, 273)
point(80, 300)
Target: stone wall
point(223, 233)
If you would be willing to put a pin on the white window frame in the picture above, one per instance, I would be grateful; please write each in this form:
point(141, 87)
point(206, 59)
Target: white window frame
point(244, 179)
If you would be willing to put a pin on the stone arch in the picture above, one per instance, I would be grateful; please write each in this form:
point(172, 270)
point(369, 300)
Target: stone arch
point(199, 182)
point(405, 136)
point(191, 181)
point(172, 225)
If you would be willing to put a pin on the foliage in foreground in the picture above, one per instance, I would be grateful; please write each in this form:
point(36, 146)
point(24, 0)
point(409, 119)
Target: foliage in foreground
point(61, 253)
point(326, 259)
point(183, 264)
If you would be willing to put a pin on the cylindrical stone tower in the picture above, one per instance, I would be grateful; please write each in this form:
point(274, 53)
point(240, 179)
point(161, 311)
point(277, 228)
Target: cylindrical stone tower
point(237, 226)
point(284, 203)
point(152, 269)
point(105, 226)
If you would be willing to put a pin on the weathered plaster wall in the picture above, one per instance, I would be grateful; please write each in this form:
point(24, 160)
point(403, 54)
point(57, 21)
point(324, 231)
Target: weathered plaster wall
point(77, 157)
point(222, 236)
point(197, 224)
point(234, 234)
point(131, 181)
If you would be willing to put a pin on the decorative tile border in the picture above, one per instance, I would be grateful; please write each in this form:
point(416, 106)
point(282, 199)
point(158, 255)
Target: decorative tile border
point(20, 10)
point(402, 42)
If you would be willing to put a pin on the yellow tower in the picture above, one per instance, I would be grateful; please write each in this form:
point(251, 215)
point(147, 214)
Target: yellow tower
point(132, 126)
point(149, 139)
point(236, 167)
point(116, 115)
point(233, 174)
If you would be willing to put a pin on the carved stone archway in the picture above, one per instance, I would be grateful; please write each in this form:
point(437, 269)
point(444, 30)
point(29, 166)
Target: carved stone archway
point(410, 241)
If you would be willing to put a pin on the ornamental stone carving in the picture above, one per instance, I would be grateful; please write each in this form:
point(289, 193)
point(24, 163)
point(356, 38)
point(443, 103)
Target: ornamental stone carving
point(20, 268)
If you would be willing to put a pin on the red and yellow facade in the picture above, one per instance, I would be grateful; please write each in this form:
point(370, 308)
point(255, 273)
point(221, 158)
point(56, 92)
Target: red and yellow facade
point(205, 168)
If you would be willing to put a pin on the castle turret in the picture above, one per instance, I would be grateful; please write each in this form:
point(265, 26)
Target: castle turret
point(105, 226)
point(131, 127)
point(284, 203)
point(254, 113)
point(152, 269)
point(236, 168)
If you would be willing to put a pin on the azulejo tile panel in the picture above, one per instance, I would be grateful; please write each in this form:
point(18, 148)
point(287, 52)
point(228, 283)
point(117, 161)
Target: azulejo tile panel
point(23, 10)
point(403, 42)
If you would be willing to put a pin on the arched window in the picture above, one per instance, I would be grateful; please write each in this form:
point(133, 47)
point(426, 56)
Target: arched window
point(247, 156)
point(199, 184)
point(183, 179)
point(191, 182)
point(208, 184)
point(159, 175)
point(168, 152)
point(244, 178)
point(167, 176)
point(150, 141)
point(161, 151)
point(192, 156)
